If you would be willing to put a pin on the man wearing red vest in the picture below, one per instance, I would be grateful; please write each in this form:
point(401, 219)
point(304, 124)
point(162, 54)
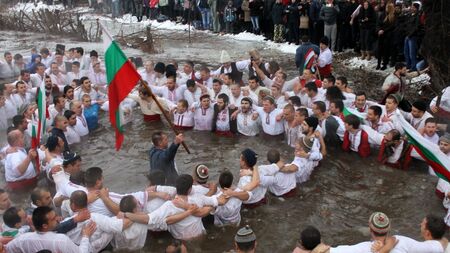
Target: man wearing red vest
point(355, 139)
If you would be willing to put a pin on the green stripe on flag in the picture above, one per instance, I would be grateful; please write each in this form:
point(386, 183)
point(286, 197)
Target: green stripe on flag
point(114, 60)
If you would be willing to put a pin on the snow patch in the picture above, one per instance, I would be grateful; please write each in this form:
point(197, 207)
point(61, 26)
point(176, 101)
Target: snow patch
point(358, 63)
point(247, 36)
point(30, 7)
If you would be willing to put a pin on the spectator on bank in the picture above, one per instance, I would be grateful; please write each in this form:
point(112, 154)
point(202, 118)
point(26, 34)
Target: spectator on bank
point(366, 19)
point(329, 14)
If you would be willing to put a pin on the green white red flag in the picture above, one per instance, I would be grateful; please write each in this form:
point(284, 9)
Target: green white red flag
point(429, 151)
point(38, 130)
point(122, 77)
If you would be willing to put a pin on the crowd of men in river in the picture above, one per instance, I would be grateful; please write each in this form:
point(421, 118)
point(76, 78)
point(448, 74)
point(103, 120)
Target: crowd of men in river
point(310, 113)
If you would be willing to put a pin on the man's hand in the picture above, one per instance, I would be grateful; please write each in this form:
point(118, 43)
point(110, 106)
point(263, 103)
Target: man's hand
point(179, 139)
point(301, 153)
point(93, 196)
point(192, 208)
point(104, 193)
point(89, 229)
point(255, 116)
point(82, 216)
point(434, 109)
point(222, 200)
point(32, 154)
point(213, 187)
point(234, 114)
point(55, 169)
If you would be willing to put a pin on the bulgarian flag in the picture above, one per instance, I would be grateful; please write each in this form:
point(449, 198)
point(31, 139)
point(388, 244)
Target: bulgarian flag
point(309, 59)
point(121, 77)
point(347, 111)
point(429, 151)
point(38, 128)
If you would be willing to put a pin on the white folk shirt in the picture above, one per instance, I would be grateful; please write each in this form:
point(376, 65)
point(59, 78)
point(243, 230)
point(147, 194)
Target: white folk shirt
point(71, 135)
point(355, 140)
point(291, 134)
point(72, 75)
point(282, 183)
point(393, 117)
point(36, 241)
point(309, 101)
point(156, 203)
point(79, 93)
point(10, 108)
point(59, 79)
point(408, 245)
point(240, 66)
point(363, 247)
point(381, 127)
point(3, 118)
point(36, 79)
point(12, 161)
point(325, 57)
point(246, 125)
point(172, 95)
point(269, 123)
point(106, 227)
point(417, 123)
point(21, 101)
point(203, 118)
point(257, 194)
point(148, 77)
point(445, 100)
point(81, 126)
point(192, 97)
point(132, 238)
point(190, 227)
point(185, 119)
point(230, 213)
point(223, 120)
point(47, 61)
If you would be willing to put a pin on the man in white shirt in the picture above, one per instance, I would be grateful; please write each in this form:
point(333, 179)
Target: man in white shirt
point(361, 104)
point(342, 84)
point(71, 135)
point(57, 77)
point(418, 114)
point(310, 94)
point(229, 214)
point(22, 98)
point(325, 58)
point(106, 226)
point(246, 124)
point(46, 57)
point(37, 78)
point(187, 73)
point(171, 91)
point(203, 114)
point(76, 73)
point(19, 169)
point(45, 221)
point(271, 120)
point(148, 74)
point(192, 93)
point(86, 88)
point(3, 111)
point(98, 77)
point(81, 126)
point(373, 119)
point(219, 88)
point(57, 108)
point(7, 68)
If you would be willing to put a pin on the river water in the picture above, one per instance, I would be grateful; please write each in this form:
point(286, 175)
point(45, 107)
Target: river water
point(341, 194)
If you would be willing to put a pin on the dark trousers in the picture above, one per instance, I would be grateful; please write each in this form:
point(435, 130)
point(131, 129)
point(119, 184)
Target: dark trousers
point(345, 37)
point(366, 39)
point(385, 49)
point(293, 32)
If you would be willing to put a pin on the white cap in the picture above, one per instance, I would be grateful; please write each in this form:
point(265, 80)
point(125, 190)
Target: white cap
point(224, 57)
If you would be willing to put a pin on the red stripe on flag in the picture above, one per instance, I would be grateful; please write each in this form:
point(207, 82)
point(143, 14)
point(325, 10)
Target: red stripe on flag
point(436, 166)
point(119, 88)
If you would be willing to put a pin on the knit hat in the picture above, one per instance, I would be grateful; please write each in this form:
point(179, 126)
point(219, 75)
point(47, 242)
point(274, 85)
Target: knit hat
point(312, 122)
point(420, 105)
point(307, 143)
point(250, 157)
point(201, 173)
point(160, 67)
point(224, 57)
point(379, 223)
point(245, 235)
point(397, 97)
point(445, 138)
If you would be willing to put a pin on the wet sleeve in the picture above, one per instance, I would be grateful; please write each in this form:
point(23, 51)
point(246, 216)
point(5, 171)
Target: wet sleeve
point(65, 226)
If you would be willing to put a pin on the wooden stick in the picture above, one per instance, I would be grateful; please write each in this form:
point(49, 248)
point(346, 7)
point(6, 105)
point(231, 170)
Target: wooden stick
point(163, 113)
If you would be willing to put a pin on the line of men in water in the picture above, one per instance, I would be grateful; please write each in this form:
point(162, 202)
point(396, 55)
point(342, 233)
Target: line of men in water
point(307, 128)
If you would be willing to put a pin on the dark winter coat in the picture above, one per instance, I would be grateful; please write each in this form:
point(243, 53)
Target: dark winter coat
point(301, 53)
point(385, 25)
point(329, 14)
point(278, 13)
point(164, 160)
point(412, 25)
point(371, 18)
point(256, 8)
point(293, 13)
point(314, 11)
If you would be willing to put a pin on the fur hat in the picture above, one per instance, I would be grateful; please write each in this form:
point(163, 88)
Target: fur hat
point(224, 57)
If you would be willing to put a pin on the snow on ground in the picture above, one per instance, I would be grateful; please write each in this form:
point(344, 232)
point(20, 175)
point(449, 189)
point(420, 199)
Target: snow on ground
point(30, 7)
point(247, 36)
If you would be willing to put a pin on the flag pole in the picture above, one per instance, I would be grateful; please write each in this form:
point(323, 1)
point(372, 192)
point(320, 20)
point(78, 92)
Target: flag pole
point(145, 85)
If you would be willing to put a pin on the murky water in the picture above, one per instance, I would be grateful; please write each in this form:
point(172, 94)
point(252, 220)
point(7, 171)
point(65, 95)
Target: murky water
point(338, 199)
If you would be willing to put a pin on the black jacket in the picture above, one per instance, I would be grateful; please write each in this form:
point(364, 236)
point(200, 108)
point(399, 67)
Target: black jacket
point(278, 13)
point(371, 18)
point(164, 160)
point(256, 8)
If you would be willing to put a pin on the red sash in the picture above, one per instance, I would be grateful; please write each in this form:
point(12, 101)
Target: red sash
point(150, 118)
point(224, 133)
point(21, 184)
point(183, 127)
point(263, 201)
point(290, 194)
